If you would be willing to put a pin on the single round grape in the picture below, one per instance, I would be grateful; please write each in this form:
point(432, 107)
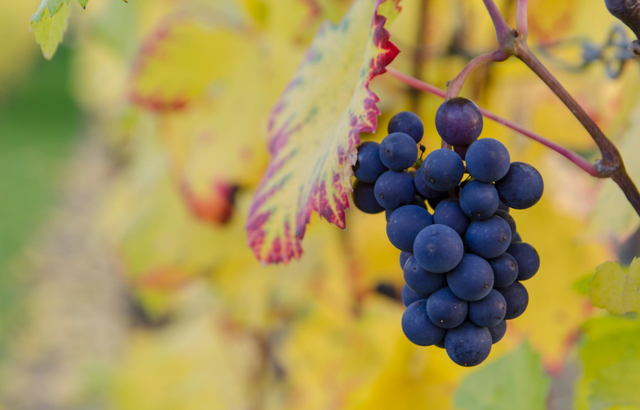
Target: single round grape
point(425, 191)
point(398, 151)
point(488, 160)
point(517, 299)
point(445, 309)
point(417, 326)
point(505, 270)
point(488, 238)
point(442, 170)
point(461, 150)
point(438, 248)
point(364, 198)
point(503, 207)
point(472, 279)
point(510, 220)
point(479, 200)
point(488, 311)
point(459, 121)
point(419, 280)
point(522, 187)
point(408, 123)
point(404, 257)
point(527, 258)
point(449, 213)
point(394, 189)
point(369, 167)
point(498, 331)
point(405, 224)
point(468, 345)
point(409, 296)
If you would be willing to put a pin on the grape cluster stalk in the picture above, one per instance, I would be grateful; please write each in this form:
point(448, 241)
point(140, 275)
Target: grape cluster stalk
point(463, 264)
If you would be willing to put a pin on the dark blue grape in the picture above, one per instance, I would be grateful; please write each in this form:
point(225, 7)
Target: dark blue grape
point(522, 187)
point(479, 200)
point(438, 248)
point(405, 224)
point(503, 207)
point(472, 279)
point(404, 257)
point(527, 258)
point(461, 150)
point(505, 270)
point(518, 238)
point(417, 326)
point(421, 281)
point(409, 297)
point(509, 219)
point(517, 299)
point(468, 345)
point(459, 121)
point(445, 309)
point(364, 198)
point(425, 191)
point(369, 167)
point(489, 238)
point(394, 189)
point(398, 151)
point(448, 212)
point(408, 123)
point(488, 160)
point(488, 311)
point(442, 170)
point(498, 331)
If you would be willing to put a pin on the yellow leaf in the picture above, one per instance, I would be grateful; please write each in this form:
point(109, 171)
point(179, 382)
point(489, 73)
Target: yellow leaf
point(49, 26)
point(315, 128)
point(613, 289)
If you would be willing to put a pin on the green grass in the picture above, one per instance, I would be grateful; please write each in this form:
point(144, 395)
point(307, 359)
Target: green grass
point(38, 124)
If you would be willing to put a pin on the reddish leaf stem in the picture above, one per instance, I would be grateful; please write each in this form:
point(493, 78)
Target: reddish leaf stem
point(522, 19)
point(567, 153)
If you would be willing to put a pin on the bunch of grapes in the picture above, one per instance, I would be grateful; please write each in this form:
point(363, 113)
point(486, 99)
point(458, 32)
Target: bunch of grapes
point(464, 264)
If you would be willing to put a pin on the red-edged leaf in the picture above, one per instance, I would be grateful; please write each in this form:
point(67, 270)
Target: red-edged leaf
point(315, 128)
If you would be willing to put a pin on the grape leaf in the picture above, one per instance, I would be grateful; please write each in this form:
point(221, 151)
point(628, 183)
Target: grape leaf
point(49, 24)
point(615, 290)
point(315, 127)
point(610, 356)
point(514, 381)
point(613, 214)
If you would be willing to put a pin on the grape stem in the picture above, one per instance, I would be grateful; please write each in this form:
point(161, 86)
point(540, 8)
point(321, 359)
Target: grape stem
point(455, 85)
point(565, 152)
point(514, 43)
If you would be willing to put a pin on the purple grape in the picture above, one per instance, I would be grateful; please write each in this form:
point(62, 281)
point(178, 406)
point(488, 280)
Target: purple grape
point(472, 279)
point(405, 224)
point(394, 189)
point(488, 160)
point(459, 121)
point(398, 151)
point(438, 248)
point(527, 258)
point(522, 187)
point(442, 170)
point(488, 238)
point(369, 167)
point(364, 198)
point(479, 200)
point(408, 123)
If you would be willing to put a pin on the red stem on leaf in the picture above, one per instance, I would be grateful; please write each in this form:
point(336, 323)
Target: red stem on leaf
point(567, 153)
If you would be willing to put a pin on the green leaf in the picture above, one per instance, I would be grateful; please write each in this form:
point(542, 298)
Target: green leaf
point(515, 381)
point(49, 24)
point(610, 355)
point(616, 290)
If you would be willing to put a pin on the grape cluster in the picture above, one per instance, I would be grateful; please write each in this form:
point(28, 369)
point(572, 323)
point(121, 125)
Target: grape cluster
point(464, 264)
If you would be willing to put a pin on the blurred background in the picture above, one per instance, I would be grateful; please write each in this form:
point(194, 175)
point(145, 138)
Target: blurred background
point(125, 279)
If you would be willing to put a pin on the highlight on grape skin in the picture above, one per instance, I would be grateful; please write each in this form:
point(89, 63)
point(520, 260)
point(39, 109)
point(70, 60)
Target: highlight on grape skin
point(462, 259)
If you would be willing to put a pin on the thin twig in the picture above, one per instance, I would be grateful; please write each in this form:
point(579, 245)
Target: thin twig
point(503, 31)
point(522, 19)
point(567, 153)
point(454, 87)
